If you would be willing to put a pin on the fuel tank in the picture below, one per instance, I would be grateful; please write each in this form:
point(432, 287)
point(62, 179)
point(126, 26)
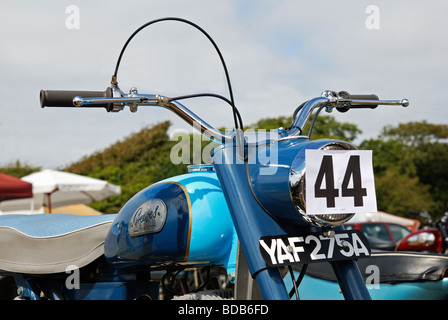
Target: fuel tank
point(180, 220)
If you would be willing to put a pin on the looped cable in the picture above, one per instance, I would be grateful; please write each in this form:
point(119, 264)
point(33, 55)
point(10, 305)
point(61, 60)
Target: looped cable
point(238, 124)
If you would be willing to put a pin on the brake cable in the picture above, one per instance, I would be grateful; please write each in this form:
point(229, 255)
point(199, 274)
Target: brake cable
point(236, 115)
point(296, 283)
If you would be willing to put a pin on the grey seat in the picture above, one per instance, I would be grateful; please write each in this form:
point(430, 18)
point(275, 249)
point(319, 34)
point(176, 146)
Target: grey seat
point(49, 243)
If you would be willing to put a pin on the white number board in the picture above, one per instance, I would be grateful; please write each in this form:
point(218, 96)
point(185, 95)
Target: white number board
point(339, 181)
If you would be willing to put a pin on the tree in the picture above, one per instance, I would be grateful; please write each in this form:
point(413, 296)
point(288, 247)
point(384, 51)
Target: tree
point(138, 161)
point(429, 148)
point(399, 193)
point(418, 153)
point(390, 155)
point(325, 127)
point(415, 134)
point(18, 169)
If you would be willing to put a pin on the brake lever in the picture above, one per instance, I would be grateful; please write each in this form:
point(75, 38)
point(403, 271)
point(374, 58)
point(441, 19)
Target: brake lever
point(343, 101)
point(402, 102)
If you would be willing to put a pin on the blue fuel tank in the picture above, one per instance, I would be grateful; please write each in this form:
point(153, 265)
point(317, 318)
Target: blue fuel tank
point(180, 220)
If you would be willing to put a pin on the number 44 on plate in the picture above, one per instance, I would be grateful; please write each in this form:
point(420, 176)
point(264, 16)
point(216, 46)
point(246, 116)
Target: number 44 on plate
point(339, 181)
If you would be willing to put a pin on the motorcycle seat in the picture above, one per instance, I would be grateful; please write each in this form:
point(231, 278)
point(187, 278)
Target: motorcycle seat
point(395, 267)
point(50, 243)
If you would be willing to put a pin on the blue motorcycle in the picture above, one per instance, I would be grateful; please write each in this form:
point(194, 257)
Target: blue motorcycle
point(238, 228)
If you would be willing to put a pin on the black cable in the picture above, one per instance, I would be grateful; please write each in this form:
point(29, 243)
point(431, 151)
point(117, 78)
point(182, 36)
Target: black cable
point(170, 287)
point(114, 77)
point(299, 280)
point(196, 95)
point(314, 120)
point(294, 115)
point(294, 284)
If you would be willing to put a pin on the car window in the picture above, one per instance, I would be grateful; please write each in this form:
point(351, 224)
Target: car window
point(399, 232)
point(376, 230)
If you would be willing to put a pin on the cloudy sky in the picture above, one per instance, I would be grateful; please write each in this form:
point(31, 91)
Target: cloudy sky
point(279, 53)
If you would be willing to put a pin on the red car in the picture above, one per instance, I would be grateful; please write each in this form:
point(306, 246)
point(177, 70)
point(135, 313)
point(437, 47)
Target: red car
point(425, 240)
point(381, 230)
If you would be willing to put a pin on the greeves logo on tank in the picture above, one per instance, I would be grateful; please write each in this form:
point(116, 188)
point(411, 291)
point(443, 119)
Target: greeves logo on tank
point(150, 217)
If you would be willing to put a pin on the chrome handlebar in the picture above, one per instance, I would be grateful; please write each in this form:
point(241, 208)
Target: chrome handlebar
point(328, 100)
point(134, 99)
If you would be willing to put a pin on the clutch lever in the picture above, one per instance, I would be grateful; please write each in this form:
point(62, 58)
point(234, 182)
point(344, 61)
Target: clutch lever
point(134, 99)
point(119, 100)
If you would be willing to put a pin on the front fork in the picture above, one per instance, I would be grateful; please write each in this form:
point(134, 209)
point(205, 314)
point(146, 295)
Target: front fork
point(252, 222)
point(350, 280)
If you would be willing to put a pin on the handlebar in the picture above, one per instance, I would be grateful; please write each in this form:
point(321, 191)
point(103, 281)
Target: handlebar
point(355, 100)
point(342, 101)
point(64, 98)
point(113, 99)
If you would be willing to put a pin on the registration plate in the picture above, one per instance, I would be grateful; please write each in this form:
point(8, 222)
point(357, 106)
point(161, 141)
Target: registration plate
point(290, 249)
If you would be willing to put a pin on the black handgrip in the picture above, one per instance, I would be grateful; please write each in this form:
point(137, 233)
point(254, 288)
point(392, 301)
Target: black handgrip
point(64, 98)
point(346, 95)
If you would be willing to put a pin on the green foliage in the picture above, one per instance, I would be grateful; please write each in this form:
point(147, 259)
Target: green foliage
point(138, 161)
point(390, 154)
point(270, 123)
point(410, 166)
point(17, 169)
point(325, 127)
point(415, 134)
point(431, 160)
point(400, 193)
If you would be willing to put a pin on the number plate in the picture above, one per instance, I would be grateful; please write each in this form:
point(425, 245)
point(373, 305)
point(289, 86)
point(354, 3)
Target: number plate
point(289, 249)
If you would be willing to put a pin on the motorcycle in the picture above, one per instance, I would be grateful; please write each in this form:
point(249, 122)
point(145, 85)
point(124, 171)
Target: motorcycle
point(247, 214)
point(434, 240)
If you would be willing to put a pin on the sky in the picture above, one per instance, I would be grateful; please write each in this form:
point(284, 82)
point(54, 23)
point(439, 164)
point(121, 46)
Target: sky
point(278, 53)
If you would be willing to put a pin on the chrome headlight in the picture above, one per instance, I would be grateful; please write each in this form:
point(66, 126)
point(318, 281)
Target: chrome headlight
point(297, 189)
point(278, 182)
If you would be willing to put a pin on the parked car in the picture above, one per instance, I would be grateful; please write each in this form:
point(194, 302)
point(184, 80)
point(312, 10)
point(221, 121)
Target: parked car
point(432, 239)
point(382, 235)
